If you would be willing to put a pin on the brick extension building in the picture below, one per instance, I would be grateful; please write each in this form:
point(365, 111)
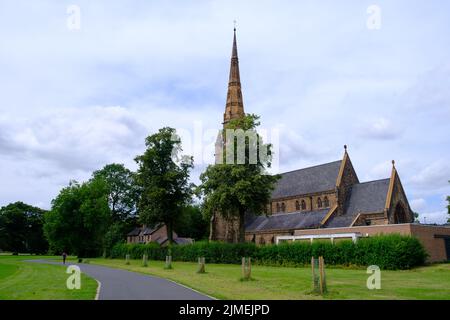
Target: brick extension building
point(326, 201)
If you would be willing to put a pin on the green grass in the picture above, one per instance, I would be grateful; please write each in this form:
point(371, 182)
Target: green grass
point(21, 280)
point(223, 281)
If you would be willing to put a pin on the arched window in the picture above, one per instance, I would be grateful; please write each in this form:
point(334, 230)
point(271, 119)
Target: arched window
point(326, 202)
point(303, 205)
point(297, 205)
point(283, 207)
point(278, 207)
point(319, 203)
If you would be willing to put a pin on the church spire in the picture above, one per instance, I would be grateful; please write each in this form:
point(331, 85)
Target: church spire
point(234, 106)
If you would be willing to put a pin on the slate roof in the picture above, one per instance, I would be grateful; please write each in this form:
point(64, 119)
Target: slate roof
point(366, 197)
point(134, 232)
point(286, 221)
point(139, 231)
point(308, 180)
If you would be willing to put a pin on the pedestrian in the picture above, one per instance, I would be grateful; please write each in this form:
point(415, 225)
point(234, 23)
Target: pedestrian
point(64, 256)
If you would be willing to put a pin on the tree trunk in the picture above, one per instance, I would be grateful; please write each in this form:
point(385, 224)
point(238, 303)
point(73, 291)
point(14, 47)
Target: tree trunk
point(241, 226)
point(169, 227)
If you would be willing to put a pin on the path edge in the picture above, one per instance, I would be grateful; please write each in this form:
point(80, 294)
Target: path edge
point(97, 293)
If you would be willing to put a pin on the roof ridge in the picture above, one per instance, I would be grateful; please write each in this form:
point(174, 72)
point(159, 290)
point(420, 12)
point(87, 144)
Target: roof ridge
point(377, 180)
point(318, 165)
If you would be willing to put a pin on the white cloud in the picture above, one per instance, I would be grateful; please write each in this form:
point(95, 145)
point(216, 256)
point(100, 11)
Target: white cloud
point(380, 128)
point(438, 217)
point(436, 175)
point(418, 205)
point(314, 70)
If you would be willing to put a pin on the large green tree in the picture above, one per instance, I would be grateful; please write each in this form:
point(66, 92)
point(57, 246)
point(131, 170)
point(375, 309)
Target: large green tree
point(79, 218)
point(123, 195)
point(163, 179)
point(21, 228)
point(192, 223)
point(242, 186)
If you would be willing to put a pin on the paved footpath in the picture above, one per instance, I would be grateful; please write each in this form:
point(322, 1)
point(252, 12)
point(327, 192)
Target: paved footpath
point(119, 284)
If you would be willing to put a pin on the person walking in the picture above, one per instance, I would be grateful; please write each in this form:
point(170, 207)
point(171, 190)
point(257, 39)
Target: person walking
point(64, 256)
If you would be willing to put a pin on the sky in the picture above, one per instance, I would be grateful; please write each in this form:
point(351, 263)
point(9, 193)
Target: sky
point(82, 83)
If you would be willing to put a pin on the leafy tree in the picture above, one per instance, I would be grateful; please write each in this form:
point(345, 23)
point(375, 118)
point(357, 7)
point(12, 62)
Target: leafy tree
point(192, 223)
point(233, 189)
point(21, 228)
point(164, 183)
point(123, 192)
point(123, 195)
point(416, 216)
point(78, 219)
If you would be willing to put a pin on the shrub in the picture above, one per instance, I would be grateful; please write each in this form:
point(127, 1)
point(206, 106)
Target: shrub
point(386, 251)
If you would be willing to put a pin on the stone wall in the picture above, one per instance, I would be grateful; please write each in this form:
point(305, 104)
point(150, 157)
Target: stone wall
point(311, 202)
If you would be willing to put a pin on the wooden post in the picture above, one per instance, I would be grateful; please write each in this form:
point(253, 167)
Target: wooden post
point(246, 268)
point(127, 259)
point(313, 274)
point(144, 260)
point(168, 262)
point(201, 265)
point(323, 283)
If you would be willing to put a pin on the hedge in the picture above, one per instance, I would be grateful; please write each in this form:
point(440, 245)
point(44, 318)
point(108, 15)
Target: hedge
point(391, 252)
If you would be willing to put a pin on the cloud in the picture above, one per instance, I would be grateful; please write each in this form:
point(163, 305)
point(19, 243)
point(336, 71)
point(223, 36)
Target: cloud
point(315, 71)
point(73, 139)
point(436, 175)
point(438, 217)
point(380, 128)
point(418, 205)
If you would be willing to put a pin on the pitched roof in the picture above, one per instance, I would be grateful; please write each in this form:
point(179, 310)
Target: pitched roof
point(148, 231)
point(134, 232)
point(308, 180)
point(286, 221)
point(141, 231)
point(366, 197)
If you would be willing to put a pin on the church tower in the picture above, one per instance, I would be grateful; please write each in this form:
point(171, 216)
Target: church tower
point(234, 107)
point(227, 229)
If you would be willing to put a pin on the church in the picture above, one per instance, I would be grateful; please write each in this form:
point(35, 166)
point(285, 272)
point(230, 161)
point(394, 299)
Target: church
point(325, 201)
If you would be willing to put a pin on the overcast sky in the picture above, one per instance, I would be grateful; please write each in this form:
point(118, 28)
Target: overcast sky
point(73, 100)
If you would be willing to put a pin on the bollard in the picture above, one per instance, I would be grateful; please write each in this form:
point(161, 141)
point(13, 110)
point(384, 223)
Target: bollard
point(201, 265)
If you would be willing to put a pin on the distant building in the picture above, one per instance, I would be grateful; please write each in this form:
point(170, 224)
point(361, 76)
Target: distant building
point(157, 234)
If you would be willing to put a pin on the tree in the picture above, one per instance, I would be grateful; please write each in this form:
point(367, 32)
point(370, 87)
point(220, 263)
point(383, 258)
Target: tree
point(123, 192)
point(164, 183)
point(234, 189)
point(123, 195)
point(192, 223)
point(78, 219)
point(21, 228)
point(416, 217)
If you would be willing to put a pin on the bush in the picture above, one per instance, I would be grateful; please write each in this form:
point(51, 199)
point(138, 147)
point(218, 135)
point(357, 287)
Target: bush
point(386, 251)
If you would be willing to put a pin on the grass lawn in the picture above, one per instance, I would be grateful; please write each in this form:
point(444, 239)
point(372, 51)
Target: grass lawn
point(21, 280)
point(223, 281)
